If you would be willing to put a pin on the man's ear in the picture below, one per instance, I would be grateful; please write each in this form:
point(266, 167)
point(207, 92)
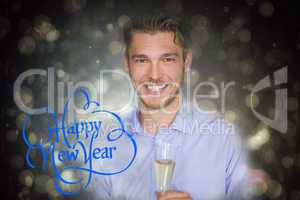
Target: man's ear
point(126, 62)
point(188, 60)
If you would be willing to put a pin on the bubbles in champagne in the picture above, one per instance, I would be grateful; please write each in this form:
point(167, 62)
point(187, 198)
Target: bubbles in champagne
point(164, 172)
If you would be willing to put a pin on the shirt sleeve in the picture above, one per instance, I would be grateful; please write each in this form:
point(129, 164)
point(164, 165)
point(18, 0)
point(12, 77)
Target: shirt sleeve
point(237, 176)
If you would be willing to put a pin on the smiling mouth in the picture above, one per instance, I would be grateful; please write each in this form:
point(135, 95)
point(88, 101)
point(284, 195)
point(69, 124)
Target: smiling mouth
point(156, 89)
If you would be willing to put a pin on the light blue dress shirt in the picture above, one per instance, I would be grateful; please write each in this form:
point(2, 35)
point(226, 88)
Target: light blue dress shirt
point(210, 160)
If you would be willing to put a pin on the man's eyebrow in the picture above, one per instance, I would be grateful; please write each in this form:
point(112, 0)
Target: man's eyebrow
point(170, 55)
point(138, 56)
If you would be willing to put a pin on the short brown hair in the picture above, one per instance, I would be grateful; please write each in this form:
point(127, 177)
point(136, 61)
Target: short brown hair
point(154, 24)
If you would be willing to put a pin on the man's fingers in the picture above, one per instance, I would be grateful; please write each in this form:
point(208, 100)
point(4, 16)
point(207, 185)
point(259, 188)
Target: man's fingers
point(183, 198)
point(173, 195)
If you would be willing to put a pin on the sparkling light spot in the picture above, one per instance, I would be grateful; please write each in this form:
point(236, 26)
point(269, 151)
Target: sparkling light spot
point(115, 47)
point(226, 9)
point(40, 183)
point(244, 36)
point(247, 67)
point(266, 9)
point(200, 21)
point(230, 116)
point(61, 73)
point(274, 189)
point(26, 178)
point(27, 45)
point(110, 27)
point(42, 25)
point(252, 100)
point(260, 138)
point(26, 95)
point(52, 35)
point(122, 20)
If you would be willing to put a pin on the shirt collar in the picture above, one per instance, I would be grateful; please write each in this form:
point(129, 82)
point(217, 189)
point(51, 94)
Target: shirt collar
point(181, 123)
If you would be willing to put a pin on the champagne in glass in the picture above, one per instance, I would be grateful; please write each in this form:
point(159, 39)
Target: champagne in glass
point(164, 166)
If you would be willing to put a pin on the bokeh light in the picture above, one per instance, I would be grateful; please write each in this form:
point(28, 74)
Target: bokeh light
point(40, 183)
point(244, 36)
point(252, 100)
point(26, 178)
point(230, 116)
point(122, 20)
point(266, 9)
point(115, 47)
point(256, 141)
point(27, 45)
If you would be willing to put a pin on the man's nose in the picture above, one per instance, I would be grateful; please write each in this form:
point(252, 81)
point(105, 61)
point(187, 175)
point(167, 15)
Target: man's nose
point(154, 70)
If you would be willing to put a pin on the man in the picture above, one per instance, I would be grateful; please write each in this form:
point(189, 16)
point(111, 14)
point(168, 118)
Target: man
point(210, 163)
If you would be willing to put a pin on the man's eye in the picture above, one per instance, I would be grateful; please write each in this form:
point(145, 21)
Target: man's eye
point(169, 59)
point(140, 60)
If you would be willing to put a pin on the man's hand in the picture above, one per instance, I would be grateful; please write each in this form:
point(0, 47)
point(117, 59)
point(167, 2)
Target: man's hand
point(173, 195)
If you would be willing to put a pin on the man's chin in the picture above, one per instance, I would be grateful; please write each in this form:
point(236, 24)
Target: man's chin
point(156, 103)
point(152, 104)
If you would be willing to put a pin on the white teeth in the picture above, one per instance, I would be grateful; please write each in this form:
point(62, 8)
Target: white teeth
point(156, 88)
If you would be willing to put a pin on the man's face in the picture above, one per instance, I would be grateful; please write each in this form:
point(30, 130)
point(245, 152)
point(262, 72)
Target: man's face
point(156, 66)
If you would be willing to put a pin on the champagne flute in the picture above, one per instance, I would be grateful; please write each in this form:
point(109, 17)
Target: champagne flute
point(164, 165)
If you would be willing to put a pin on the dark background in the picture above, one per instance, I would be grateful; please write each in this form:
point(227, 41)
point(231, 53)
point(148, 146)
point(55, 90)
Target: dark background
point(241, 41)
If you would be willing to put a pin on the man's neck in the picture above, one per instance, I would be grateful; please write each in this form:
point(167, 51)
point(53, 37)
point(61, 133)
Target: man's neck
point(152, 120)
